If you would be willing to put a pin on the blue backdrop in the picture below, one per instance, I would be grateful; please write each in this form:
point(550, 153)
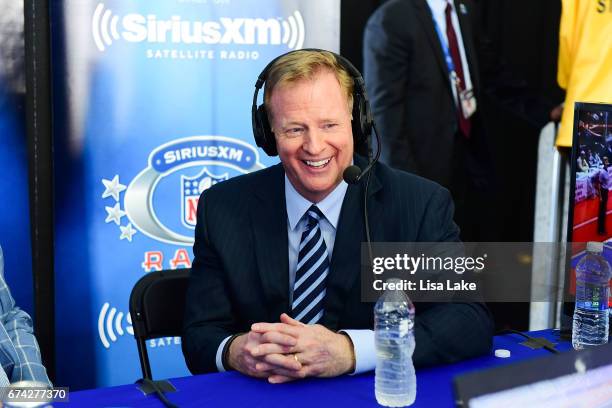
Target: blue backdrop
point(151, 106)
point(14, 207)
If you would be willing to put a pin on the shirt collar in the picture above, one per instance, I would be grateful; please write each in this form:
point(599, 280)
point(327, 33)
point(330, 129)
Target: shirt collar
point(438, 7)
point(297, 205)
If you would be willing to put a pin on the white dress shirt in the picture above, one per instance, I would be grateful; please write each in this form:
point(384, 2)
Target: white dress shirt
point(330, 206)
point(438, 8)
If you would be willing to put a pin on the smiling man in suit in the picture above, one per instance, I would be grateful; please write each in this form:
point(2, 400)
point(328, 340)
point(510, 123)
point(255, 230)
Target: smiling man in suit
point(275, 290)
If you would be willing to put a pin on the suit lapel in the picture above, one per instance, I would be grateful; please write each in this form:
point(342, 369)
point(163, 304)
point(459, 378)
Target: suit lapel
point(468, 40)
point(269, 226)
point(426, 18)
point(345, 267)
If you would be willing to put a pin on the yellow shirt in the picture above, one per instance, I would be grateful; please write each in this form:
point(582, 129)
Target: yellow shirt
point(585, 58)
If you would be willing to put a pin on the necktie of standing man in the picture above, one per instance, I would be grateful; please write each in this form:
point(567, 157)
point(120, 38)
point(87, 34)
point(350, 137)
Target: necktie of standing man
point(453, 45)
point(311, 273)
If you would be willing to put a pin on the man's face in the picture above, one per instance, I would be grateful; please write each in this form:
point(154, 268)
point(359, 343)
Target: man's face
point(314, 139)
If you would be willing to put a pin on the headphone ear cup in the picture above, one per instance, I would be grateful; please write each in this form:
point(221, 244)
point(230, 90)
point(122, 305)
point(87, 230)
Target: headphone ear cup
point(361, 125)
point(264, 137)
point(365, 116)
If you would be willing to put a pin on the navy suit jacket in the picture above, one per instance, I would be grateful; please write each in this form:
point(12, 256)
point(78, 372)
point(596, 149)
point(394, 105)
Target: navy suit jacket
point(411, 96)
point(240, 274)
point(408, 83)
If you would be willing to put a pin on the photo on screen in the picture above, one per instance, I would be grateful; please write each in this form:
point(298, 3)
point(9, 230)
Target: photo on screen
point(590, 211)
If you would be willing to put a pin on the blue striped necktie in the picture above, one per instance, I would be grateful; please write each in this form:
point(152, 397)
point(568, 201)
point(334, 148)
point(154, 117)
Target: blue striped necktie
point(311, 273)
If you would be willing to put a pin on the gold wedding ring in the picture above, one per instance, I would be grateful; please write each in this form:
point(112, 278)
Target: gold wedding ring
point(296, 358)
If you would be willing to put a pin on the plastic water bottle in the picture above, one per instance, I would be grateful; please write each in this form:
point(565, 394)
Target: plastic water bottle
point(395, 380)
point(591, 324)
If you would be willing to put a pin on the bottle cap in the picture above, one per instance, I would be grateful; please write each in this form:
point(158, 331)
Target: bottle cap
point(594, 246)
point(502, 353)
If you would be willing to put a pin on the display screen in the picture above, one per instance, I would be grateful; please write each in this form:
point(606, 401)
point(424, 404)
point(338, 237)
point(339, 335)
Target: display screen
point(591, 179)
point(592, 388)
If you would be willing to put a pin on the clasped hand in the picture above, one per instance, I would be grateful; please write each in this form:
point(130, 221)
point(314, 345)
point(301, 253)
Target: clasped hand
point(290, 350)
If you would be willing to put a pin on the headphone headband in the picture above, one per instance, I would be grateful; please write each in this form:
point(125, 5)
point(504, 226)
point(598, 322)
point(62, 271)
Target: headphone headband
point(346, 64)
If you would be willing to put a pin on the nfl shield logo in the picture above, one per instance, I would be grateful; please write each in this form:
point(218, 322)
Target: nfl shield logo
point(191, 188)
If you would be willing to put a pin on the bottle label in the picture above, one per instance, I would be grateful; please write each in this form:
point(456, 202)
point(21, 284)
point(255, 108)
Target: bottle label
point(591, 296)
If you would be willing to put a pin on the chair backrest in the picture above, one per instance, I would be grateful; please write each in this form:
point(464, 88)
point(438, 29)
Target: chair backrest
point(157, 305)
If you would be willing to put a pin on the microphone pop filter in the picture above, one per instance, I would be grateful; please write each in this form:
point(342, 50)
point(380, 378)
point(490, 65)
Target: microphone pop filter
point(351, 174)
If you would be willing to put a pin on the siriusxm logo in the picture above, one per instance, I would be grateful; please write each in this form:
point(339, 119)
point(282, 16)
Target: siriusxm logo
point(111, 324)
point(136, 28)
point(195, 164)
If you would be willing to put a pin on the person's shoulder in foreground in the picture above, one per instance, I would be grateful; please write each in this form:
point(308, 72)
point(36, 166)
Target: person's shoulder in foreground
point(19, 351)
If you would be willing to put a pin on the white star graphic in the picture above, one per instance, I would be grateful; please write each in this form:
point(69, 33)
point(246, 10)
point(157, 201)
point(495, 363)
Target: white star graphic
point(114, 214)
point(127, 232)
point(113, 187)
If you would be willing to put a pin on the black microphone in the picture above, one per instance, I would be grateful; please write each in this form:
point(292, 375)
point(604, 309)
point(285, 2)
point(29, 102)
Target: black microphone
point(352, 174)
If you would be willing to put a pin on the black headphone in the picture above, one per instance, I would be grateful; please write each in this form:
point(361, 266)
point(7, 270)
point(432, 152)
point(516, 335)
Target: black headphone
point(362, 115)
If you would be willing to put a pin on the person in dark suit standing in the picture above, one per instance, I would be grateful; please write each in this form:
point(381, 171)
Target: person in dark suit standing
point(426, 67)
point(275, 289)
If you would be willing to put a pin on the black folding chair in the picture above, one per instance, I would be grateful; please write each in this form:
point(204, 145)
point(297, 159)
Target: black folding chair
point(157, 304)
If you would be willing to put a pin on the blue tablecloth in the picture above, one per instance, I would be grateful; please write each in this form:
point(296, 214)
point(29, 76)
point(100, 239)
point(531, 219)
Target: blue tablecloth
point(230, 389)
